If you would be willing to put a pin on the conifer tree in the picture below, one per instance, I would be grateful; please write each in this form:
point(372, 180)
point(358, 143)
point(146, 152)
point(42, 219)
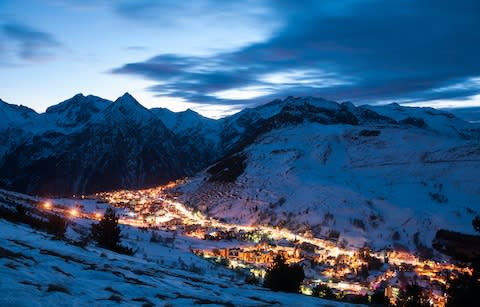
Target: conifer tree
point(476, 223)
point(283, 277)
point(107, 231)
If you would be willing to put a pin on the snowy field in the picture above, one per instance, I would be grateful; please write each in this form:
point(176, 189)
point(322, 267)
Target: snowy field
point(382, 189)
point(38, 270)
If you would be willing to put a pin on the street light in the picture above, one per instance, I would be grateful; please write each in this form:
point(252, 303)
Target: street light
point(74, 212)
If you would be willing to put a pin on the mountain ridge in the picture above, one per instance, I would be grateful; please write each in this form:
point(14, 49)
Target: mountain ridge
point(384, 186)
point(79, 139)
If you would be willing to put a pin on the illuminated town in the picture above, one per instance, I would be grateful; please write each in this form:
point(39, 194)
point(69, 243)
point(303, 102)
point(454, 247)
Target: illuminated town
point(253, 248)
point(346, 271)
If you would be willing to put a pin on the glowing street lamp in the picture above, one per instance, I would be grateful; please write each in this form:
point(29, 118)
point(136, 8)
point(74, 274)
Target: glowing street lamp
point(47, 205)
point(73, 212)
point(98, 215)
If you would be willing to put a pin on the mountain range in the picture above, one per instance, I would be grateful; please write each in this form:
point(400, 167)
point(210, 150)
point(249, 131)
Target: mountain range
point(386, 176)
point(390, 174)
point(88, 144)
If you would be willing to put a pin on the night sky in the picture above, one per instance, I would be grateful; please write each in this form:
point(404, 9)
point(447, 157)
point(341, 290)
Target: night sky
point(218, 57)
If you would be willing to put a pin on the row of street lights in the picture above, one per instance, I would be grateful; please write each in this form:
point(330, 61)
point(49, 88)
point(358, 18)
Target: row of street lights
point(73, 212)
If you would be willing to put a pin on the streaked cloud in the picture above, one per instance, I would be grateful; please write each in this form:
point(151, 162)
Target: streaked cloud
point(365, 51)
point(226, 55)
point(31, 44)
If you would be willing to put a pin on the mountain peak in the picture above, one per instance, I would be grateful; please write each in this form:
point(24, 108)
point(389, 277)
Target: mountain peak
point(79, 95)
point(190, 113)
point(76, 110)
point(187, 111)
point(78, 102)
point(17, 108)
point(127, 97)
point(128, 107)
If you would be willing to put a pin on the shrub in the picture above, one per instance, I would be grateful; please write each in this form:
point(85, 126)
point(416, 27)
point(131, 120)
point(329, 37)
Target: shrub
point(363, 272)
point(21, 210)
point(155, 238)
point(228, 169)
point(57, 288)
point(283, 277)
point(358, 223)
point(476, 223)
point(373, 263)
point(439, 198)
point(369, 133)
point(328, 217)
point(324, 291)
point(396, 236)
point(464, 291)
point(379, 298)
point(413, 295)
point(251, 280)
point(333, 234)
point(343, 243)
point(124, 250)
point(56, 225)
point(414, 121)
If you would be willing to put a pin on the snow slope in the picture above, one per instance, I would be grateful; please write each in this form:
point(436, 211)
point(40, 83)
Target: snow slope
point(468, 114)
point(72, 114)
point(374, 183)
point(442, 122)
point(37, 270)
point(14, 124)
point(15, 115)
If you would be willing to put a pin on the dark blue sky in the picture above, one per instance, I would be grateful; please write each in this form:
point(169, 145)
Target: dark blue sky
point(217, 57)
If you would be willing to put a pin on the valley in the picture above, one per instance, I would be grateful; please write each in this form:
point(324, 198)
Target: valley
point(367, 200)
point(346, 270)
point(240, 153)
point(349, 272)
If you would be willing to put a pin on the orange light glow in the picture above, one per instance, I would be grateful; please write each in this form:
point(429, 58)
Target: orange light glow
point(73, 212)
point(47, 205)
point(98, 215)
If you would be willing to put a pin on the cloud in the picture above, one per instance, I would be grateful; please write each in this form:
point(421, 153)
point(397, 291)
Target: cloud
point(364, 51)
point(136, 48)
point(33, 45)
point(82, 5)
point(202, 26)
point(201, 11)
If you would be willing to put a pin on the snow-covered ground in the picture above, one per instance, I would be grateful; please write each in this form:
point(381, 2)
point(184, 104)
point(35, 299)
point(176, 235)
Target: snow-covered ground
point(38, 270)
point(382, 189)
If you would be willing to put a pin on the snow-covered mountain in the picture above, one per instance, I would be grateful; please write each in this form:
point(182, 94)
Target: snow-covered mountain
point(468, 114)
point(194, 131)
point(15, 115)
point(74, 112)
point(15, 121)
point(386, 175)
point(87, 144)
